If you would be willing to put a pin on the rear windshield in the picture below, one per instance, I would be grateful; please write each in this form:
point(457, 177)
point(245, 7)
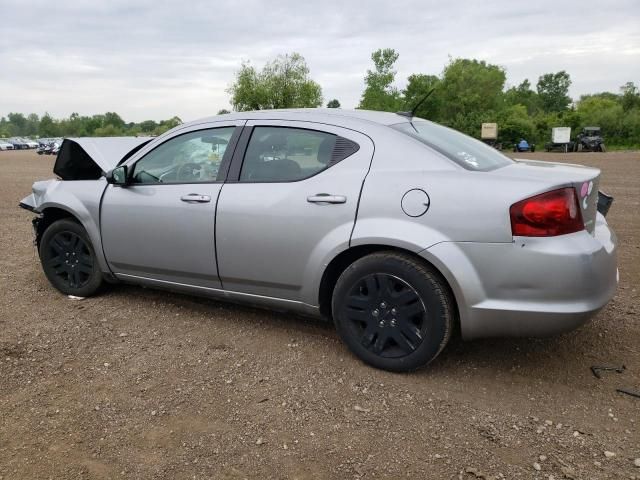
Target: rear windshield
point(467, 152)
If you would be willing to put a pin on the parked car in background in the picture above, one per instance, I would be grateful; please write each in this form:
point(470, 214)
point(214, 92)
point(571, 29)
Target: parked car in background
point(5, 145)
point(48, 146)
point(30, 143)
point(370, 219)
point(47, 149)
point(22, 143)
point(19, 143)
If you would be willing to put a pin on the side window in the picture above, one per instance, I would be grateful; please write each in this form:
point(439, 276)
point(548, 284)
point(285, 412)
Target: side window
point(282, 154)
point(190, 158)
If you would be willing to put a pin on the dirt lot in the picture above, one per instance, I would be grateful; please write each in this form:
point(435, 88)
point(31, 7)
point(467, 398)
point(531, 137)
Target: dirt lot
point(143, 384)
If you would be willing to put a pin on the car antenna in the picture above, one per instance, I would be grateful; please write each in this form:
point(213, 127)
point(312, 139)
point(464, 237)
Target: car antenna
point(412, 113)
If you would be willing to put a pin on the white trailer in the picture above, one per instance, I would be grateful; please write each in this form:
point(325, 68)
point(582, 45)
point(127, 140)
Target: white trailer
point(560, 140)
point(561, 134)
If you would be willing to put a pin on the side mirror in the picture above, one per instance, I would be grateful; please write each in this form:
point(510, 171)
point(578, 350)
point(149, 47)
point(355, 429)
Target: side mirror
point(118, 176)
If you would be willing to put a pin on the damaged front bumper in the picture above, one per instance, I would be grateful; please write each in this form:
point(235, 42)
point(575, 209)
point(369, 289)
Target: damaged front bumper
point(29, 203)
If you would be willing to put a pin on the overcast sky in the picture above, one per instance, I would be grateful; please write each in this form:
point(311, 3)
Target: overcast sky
point(152, 59)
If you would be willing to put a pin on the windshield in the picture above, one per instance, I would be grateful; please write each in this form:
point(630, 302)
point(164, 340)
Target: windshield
point(462, 149)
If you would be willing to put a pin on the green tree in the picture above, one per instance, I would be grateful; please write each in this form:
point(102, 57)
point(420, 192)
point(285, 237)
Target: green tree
point(515, 123)
point(148, 126)
point(283, 83)
point(48, 127)
point(73, 126)
point(248, 92)
point(333, 103)
point(553, 91)
point(108, 130)
point(630, 96)
point(166, 125)
point(471, 93)
point(223, 111)
point(379, 92)
point(604, 113)
point(32, 125)
point(6, 128)
point(112, 118)
point(523, 94)
point(19, 122)
point(419, 85)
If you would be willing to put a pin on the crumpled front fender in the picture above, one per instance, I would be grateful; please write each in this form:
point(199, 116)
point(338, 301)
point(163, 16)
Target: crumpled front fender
point(80, 199)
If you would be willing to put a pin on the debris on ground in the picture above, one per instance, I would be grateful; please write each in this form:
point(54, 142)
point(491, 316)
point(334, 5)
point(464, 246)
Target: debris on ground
point(626, 391)
point(358, 408)
point(596, 369)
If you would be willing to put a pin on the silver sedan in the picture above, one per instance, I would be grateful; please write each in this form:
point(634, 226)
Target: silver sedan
point(397, 229)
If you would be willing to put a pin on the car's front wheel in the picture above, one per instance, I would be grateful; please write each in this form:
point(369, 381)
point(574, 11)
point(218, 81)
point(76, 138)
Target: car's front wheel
point(392, 311)
point(68, 259)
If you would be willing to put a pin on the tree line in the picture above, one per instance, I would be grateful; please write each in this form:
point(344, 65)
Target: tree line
point(470, 92)
point(467, 93)
point(109, 124)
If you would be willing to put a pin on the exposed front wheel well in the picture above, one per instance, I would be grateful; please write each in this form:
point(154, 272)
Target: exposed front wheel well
point(48, 216)
point(346, 258)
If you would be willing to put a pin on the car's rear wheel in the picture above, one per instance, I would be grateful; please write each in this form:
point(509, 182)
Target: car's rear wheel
point(393, 312)
point(68, 259)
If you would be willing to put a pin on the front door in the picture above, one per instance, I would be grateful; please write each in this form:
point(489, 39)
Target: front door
point(162, 225)
point(293, 200)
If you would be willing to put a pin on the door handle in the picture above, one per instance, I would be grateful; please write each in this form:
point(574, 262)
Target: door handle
point(326, 198)
point(195, 198)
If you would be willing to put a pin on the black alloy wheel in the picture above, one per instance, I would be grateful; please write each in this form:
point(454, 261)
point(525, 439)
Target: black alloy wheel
point(68, 259)
point(387, 314)
point(393, 310)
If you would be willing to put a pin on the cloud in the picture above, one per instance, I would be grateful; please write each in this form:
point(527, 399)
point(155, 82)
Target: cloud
point(152, 59)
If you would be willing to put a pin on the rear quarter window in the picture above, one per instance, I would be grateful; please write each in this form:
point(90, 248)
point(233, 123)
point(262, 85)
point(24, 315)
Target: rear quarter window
point(467, 152)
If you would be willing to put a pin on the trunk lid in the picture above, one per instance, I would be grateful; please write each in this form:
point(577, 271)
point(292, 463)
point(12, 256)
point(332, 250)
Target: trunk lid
point(585, 180)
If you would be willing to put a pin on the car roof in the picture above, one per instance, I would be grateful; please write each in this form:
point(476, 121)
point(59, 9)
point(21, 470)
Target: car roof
point(323, 115)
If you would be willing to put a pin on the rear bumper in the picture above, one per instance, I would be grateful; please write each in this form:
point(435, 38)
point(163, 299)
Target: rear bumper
point(533, 286)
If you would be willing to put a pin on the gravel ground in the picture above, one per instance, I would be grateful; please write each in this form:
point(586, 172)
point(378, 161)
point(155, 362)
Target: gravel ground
point(138, 383)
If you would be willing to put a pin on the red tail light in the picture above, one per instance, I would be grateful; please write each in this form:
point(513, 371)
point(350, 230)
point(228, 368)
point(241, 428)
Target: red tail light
point(548, 214)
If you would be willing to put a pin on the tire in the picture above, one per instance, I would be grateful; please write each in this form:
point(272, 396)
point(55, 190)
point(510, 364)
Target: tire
point(393, 312)
point(68, 259)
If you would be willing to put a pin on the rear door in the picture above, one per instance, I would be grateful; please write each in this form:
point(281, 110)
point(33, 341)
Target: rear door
point(162, 225)
point(290, 200)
